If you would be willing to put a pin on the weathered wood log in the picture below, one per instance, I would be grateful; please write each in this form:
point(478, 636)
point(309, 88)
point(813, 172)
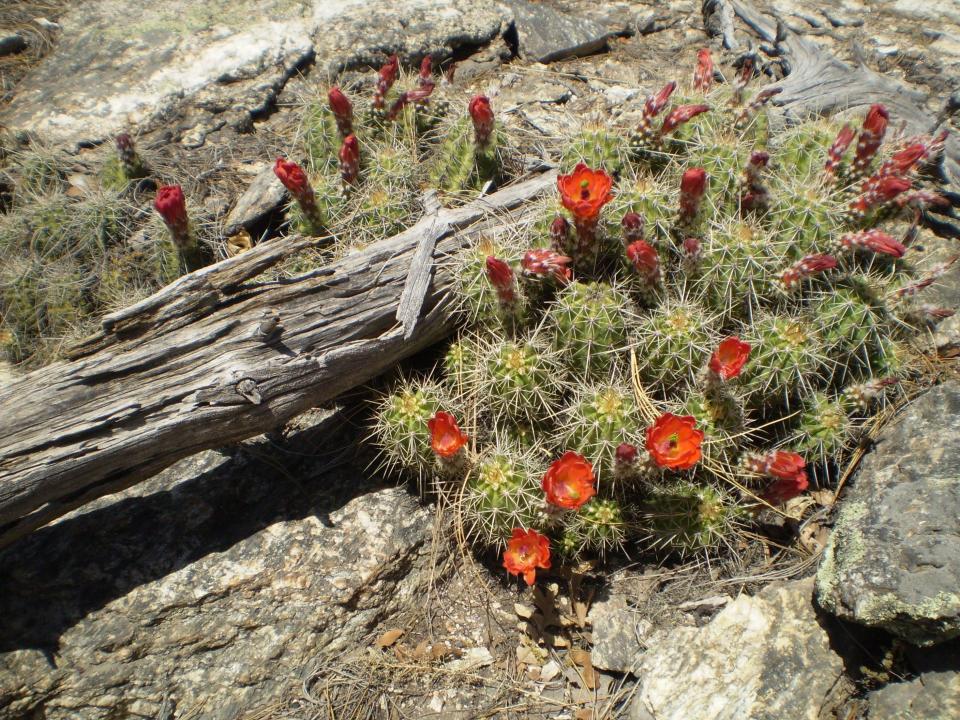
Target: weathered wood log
point(196, 366)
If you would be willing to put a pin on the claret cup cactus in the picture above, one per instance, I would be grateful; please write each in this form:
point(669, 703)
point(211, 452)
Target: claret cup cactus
point(687, 339)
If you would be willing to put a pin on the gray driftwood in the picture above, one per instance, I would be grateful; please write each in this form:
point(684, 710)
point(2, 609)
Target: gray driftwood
point(221, 355)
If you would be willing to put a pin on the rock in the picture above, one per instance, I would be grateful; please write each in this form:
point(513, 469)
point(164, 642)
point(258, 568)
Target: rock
point(545, 35)
point(944, 293)
point(761, 657)
point(618, 635)
point(225, 57)
point(208, 588)
point(893, 560)
point(12, 44)
point(933, 695)
point(262, 197)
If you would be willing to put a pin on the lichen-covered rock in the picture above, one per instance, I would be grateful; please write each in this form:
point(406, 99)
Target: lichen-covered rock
point(207, 588)
point(761, 658)
point(116, 68)
point(618, 634)
point(893, 560)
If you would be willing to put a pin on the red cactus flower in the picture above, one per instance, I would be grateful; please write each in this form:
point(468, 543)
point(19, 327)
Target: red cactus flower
point(703, 73)
point(632, 224)
point(805, 267)
point(526, 551)
point(569, 481)
point(292, 176)
point(836, 151)
point(693, 186)
point(729, 358)
point(501, 277)
point(342, 110)
point(871, 135)
point(546, 263)
point(482, 115)
point(786, 468)
point(875, 240)
point(172, 207)
point(680, 115)
point(350, 160)
point(446, 438)
point(674, 442)
point(645, 261)
point(584, 192)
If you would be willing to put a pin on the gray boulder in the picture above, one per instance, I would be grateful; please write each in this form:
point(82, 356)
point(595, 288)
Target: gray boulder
point(761, 658)
point(206, 591)
point(893, 559)
point(545, 35)
point(933, 695)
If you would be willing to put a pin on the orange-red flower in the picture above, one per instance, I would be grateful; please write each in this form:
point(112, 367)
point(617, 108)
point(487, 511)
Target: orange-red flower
point(526, 551)
point(584, 192)
point(446, 438)
point(569, 481)
point(674, 442)
point(729, 358)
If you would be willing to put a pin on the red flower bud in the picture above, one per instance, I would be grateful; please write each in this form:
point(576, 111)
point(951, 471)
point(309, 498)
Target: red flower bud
point(879, 190)
point(836, 151)
point(679, 116)
point(645, 261)
point(546, 263)
point(875, 240)
point(386, 76)
point(559, 234)
point(805, 267)
point(691, 249)
point(292, 176)
point(342, 111)
point(124, 143)
point(501, 277)
point(787, 468)
point(482, 115)
point(172, 207)
point(426, 71)
point(626, 453)
point(693, 186)
point(871, 135)
point(703, 73)
point(632, 224)
point(350, 159)
point(655, 103)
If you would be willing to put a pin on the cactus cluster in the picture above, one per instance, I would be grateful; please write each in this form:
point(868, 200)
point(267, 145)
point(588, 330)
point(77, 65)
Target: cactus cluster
point(706, 312)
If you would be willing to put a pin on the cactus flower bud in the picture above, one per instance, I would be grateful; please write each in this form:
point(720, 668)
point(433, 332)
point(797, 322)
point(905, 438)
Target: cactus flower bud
point(742, 79)
point(129, 159)
point(692, 250)
point(703, 73)
point(875, 240)
point(482, 115)
point(753, 107)
point(651, 108)
point(626, 453)
point(805, 267)
point(171, 205)
point(386, 77)
point(680, 115)
point(546, 263)
point(502, 278)
point(836, 151)
point(645, 261)
point(560, 234)
point(879, 191)
point(426, 72)
point(871, 135)
point(350, 160)
point(729, 358)
point(295, 180)
point(785, 468)
point(754, 195)
point(693, 186)
point(632, 224)
point(342, 111)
